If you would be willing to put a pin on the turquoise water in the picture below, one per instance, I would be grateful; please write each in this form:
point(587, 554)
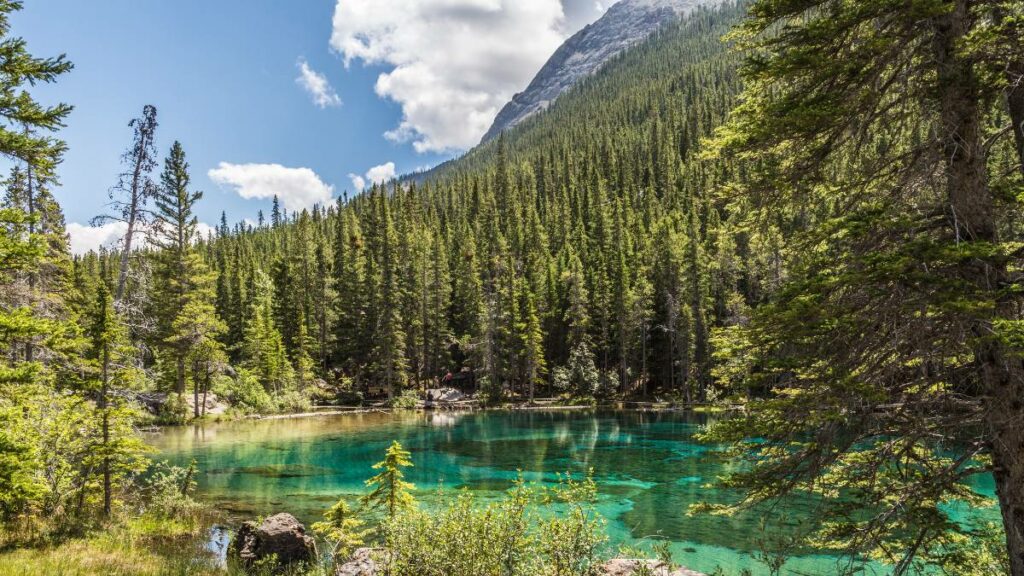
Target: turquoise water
point(648, 466)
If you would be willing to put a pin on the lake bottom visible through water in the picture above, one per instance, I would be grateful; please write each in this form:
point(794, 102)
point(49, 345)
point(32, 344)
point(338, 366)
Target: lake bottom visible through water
point(648, 468)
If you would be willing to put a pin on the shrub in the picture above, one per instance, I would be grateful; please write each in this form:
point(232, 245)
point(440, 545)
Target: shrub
point(293, 401)
point(246, 393)
point(579, 377)
point(407, 400)
point(175, 410)
point(510, 537)
point(168, 491)
point(491, 393)
point(342, 391)
point(341, 527)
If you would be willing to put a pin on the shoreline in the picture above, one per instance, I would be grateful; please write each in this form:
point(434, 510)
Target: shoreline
point(631, 406)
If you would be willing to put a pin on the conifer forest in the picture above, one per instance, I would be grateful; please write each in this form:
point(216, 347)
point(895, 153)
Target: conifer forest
point(784, 239)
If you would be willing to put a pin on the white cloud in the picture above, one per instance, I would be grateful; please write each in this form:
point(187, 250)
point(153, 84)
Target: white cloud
point(317, 86)
point(297, 188)
point(377, 175)
point(204, 231)
point(453, 63)
point(381, 174)
point(358, 182)
point(86, 238)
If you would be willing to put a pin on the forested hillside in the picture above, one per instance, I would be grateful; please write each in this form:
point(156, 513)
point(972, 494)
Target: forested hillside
point(820, 230)
point(581, 253)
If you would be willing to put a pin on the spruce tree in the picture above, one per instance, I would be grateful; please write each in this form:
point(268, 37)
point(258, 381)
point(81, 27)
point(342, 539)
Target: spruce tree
point(389, 488)
point(892, 343)
point(185, 308)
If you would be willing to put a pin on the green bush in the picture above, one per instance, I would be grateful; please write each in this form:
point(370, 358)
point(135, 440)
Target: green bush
point(491, 393)
point(510, 537)
point(246, 393)
point(342, 392)
point(580, 376)
point(407, 400)
point(168, 492)
point(294, 401)
point(175, 410)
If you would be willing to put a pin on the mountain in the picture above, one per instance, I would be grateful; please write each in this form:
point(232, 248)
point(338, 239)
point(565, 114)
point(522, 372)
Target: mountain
point(626, 23)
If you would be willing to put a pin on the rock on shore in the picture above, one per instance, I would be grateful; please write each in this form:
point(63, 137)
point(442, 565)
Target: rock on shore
point(281, 535)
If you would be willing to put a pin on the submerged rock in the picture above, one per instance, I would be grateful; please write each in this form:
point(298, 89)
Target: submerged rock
point(281, 536)
point(627, 567)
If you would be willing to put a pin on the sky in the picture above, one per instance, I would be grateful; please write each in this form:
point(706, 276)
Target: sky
point(305, 99)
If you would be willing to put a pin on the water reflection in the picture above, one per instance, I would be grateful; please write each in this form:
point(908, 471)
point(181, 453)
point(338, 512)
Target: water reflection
point(648, 466)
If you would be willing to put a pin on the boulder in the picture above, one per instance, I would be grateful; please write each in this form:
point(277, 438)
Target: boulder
point(361, 563)
point(281, 535)
point(627, 567)
point(444, 395)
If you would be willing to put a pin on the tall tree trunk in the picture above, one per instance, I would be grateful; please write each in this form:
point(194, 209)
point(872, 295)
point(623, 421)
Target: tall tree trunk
point(195, 389)
point(206, 389)
point(133, 215)
point(1005, 381)
point(106, 431)
point(700, 331)
point(30, 344)
point(1015, 103)
point(179, 385)
point(972, 218)
point(1015, 90)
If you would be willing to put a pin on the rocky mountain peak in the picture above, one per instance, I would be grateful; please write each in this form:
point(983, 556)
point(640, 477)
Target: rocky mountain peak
point(624, 24)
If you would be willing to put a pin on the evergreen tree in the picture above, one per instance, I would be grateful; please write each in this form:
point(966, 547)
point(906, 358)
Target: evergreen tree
point(891, 344)
point(118, 450)
point(185, 308)
point(389, 489)
point(263, 349)
point(341, 526)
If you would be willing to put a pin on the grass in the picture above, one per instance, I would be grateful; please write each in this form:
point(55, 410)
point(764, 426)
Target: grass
point(144, 546)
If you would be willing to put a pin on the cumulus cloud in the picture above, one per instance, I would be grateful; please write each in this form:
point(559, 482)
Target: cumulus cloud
point(317, 86)
point(358, 182)
point(85, 238)
point(297, 188)
point(452, 63)
point(381, 174)
point(377, 175)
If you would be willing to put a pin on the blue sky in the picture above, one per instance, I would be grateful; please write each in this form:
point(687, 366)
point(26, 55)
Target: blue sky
point(408, 82)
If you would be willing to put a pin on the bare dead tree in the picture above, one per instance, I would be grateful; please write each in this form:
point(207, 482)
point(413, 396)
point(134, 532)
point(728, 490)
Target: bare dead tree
point(134, 188)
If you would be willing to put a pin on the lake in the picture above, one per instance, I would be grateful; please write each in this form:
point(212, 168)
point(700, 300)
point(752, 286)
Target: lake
point(648, 467)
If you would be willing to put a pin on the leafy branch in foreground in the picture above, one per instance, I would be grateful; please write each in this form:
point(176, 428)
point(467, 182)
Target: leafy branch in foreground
point(887, 366)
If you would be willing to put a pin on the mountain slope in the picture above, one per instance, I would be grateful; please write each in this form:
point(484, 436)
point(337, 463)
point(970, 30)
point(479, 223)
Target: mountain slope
point(625, 24)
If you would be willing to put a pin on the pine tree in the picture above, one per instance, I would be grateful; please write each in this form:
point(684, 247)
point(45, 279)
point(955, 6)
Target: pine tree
point(118, 451)
point(188, 320)
point(389, 339)
point(351, 329)
point(343, 527)
point(389, 489)
point(276, 219)
point(532, 342)
point(262, 349)
point(891, 343)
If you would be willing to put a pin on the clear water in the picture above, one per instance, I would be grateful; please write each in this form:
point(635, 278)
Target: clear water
point(648, 467)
